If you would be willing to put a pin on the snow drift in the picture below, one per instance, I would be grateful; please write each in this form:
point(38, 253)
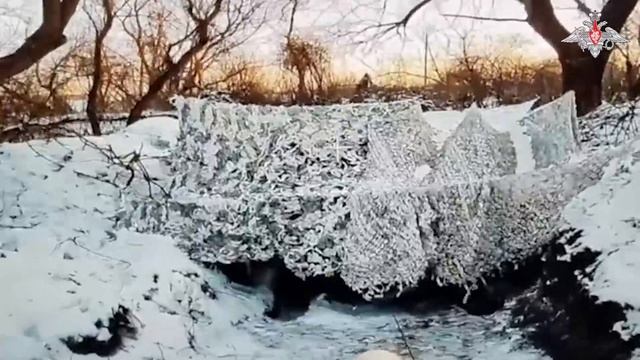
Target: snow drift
point(63, 267)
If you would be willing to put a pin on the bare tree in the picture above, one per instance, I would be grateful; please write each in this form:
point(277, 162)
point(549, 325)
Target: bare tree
point(243, 80)
point(48, 37)
point(101, 29)
point(302, 57)
point(40, 92)
point(580, 71)
point(309, 61)
point(211, 26)
point(147, 25)
point(629, 54)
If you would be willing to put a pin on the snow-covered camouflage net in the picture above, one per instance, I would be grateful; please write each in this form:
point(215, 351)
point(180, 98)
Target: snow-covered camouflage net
point(474, 151)
point(553, 131)
point(461, 231)
point(331, 190)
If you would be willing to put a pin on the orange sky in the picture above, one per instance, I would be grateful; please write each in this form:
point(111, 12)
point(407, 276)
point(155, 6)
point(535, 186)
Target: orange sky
point(323, 18)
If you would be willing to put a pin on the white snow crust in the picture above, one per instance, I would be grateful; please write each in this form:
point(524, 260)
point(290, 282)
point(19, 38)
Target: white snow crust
point(63, 265)
point(609, 214)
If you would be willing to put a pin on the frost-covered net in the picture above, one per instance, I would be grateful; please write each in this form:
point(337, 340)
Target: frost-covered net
point(553, 131)
point(331, 190)
point(474, 151)
point(461, 230)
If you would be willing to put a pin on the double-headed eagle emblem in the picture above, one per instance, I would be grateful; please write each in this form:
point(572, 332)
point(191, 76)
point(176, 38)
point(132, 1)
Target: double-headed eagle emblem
point(591, 37)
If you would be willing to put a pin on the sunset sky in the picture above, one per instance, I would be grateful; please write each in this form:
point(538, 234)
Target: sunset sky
point(330, 19)
point(444, 30)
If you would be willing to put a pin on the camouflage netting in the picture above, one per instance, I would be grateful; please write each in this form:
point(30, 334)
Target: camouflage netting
point(554, 132)
point(331, 189)
point(474, 151)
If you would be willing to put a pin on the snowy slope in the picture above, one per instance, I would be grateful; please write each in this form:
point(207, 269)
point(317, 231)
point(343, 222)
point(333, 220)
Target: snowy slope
point(609, 214)
point(62, 267)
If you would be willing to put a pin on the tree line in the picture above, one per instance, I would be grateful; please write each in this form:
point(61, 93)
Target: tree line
point(184, 48)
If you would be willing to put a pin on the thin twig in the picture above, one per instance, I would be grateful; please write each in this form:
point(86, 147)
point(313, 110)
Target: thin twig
point(39, 154)
point(484, 18)
point(30, 226)
point(93, 177)
point(61, 166)
point(161, 352)
point(74, 240)
point(131, 162)
point(582, 7)
point(404, 338)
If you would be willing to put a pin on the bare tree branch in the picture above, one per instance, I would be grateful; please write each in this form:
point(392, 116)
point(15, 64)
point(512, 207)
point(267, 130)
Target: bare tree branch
point(56, 15)
point(383, 28)
point(405, 20)
point(294, 9)
point(212, 25)
point(582, 7)
point(617, 12)
point(93, 98)
point(484, 18)
point(542, 18)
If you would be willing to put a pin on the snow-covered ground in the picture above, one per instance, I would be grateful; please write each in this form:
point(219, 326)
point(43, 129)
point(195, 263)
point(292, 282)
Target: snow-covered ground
point(609, 214)
point(63, 266)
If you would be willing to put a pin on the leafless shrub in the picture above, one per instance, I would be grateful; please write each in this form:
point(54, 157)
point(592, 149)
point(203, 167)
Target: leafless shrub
point(213, 28)
point(309, 61)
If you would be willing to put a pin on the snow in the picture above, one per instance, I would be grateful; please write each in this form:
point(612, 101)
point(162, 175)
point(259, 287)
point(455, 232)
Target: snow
point(609, 214)
point(378, 355)
point(63, 266)
point(67, 267)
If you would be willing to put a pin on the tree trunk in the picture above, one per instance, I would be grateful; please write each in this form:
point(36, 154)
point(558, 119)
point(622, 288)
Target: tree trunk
point(302, 97)
point(634, 90)
point(633, 83)
point(92, 110)
point(136, 113)
point(94, 98)
point(35, 48)
point(583, 74)
point(154, 89)
point(172, 70)
point(580, 71)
